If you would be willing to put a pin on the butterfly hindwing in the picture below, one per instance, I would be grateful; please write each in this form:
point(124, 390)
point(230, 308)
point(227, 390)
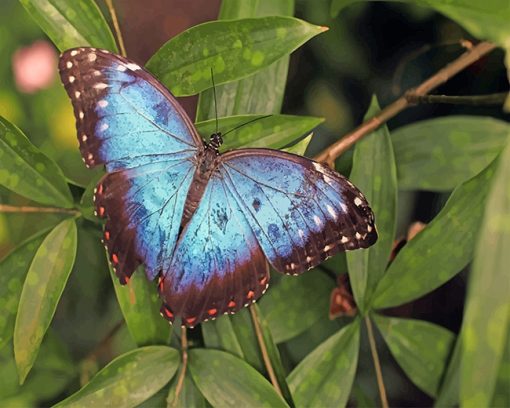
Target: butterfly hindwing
point(300, 211)
point(218, 266)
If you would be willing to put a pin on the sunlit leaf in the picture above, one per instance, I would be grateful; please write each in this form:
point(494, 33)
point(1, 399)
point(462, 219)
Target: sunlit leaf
point(487, 310)
point(28, 172)
point(376, 178)
point(457, 146)
point(300, 147)
point(129, 379)
point(232, 49)
point(441, 250)
point(44, 284)
point(69, 24)
point(420, 348)
point(324, 378)
point(228, 381)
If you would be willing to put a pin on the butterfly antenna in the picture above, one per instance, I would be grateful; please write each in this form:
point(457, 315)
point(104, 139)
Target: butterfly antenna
point(215, 101)
point(246, 123)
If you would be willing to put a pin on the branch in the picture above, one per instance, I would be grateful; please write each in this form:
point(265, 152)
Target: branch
point(377, 364)
point(118, 33)
point(330, 154)
point(474, 100)
point(4, 208)
point(182, 373)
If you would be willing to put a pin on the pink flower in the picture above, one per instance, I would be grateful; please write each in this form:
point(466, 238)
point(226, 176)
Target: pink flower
point(34, 66)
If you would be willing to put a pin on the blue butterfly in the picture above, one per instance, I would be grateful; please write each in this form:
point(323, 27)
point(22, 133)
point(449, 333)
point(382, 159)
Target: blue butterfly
point(204, 223)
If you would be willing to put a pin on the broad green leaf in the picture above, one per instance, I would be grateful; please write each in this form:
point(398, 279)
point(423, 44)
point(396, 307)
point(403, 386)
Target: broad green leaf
point(294, 304)
point(484, 19)
point(44, 284)
point(129, 379)
point(13, 269)
point(420, 348)
point(232, 49)
point(448, 395)
point(324, 378)
point(220, 334)
point(228, 381)
point(377, 179)
point(245, 333)
point(140, 304)
point(437, 253)
point(258, 93)
point(69, 24)
point(189, 396)
point(275, 131)
point(501, 396)
point(487, 310)
point(300, 147)
point(28, 172)
point(459, 146)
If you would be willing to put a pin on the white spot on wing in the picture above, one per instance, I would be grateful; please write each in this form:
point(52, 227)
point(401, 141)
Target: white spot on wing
point(317, 166)
point(344, 207)
point(92, 57)
point(84, 138)
point(100, 85)
point(331, 210)
point(369, 228)
point(317, 220)
point(357, 201)
point(69, 64)
point(81, 114)
point(309, 259)
point(77, 94)
point(102, 103)
point(358, 235)
point(327, 248)
point(121, 68)
point(74, 53)
point(133, 67)
point(71, 79)
point(104, 126)
point(344, 240)
point(301, 233)
point(90, 156)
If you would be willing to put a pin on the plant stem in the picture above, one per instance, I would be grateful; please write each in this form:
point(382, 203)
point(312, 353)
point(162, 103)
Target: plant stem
point(255, 318)
point(182, 373)
point(115, 21)
point(330, 154)
point(377, 364)
point(4, 208)
point(474, 100)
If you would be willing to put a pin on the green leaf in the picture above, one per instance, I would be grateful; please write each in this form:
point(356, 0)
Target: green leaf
point(437, 253)
point(220, 334)
point(284, 309)
point(44, 284)
point(420, 348)
point(324, 378)
point(300, 147)
point(228, 381)
point(140, 304)
point(28, 172)
point(483, 19)
point(129, 379)
point(232, 49)
point(501, 396)
point(14, 268)
point(275, 131)
point(87, 199)
point(245, 333)
point(459, 146)
point(69, 24)
point(487, 310)
point(448, 395)
point(258, 93)
point(189, 397)
point(377, 179)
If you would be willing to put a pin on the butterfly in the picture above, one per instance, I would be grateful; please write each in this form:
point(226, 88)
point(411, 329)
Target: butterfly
point(204, 223)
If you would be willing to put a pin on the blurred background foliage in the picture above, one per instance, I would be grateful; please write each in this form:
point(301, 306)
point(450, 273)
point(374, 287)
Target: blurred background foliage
point(371, 48)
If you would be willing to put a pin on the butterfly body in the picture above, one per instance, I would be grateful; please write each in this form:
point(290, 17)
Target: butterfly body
point(206, 224)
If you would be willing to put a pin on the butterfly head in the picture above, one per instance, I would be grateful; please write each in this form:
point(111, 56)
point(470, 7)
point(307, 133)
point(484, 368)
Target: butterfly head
point(215, 141)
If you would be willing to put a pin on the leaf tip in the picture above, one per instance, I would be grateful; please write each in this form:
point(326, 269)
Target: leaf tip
point(323, 29)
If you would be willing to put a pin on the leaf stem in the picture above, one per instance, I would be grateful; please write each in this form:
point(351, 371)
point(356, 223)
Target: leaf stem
point(182, 373)
point(4, 208)
point(331, 153)
point(115, 21)
point(377, 364)
point(255, 318)
point(472, 100)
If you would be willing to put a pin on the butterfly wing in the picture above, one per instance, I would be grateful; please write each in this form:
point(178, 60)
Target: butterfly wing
point(124, 116)
point(218, 266)
point(300, 211)
point(128, 121)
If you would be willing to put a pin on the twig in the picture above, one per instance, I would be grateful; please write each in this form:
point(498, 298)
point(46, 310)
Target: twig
point(474, 100)
point(469, 57)
point(377, 364)
point(4, 208)
point(182, 373)
point(118, 33)
point(255, 318)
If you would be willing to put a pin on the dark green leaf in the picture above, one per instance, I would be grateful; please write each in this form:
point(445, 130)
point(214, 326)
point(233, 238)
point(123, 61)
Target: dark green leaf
point(420, 348)
point(220, 334)
point(129, 379)
point(459, 146)
point(28, 172)
point(487, 310)
point(228, 381)
point(377, 179)
point(324, 378)
point(232, 49)
point(448, 395)
point(140, 303)
point(189, 397)
point(44, 284)
point(245, 333)
point(294, 304)
point(275, 131)
point(441, 250)
point(69, 24)
point(258, 93)
point(14, 268)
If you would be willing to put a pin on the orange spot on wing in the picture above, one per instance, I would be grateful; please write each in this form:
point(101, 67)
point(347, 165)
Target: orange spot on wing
point(250, 294)
point(212, 311)
point(231, 304)
point(263, 281)
point(107, 235)
point(101, 211)
point(115, 259)
point(100, 189)
point(190, 320)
